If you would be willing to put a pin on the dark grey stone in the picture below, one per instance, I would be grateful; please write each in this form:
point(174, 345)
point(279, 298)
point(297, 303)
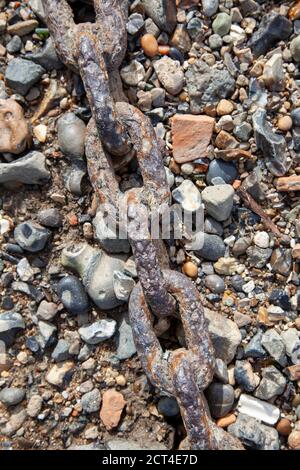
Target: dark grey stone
point(258, 257)
point(11, 396)
point(22, 74)
point(226, 170)
point(72, 294)
point(220, 398)
point(213, 247)
point(61, 351)
point(254, 347)
point(46, 57)
point(50, 217)
point(14, 45)
point(168, 407)
point(254, 434)
point(91, 401)
point(31, 236)
point(10, 324)
point(272, 29)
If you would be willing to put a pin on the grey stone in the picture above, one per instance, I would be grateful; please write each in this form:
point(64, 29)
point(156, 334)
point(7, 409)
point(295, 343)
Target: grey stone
point(162, 12)
point(170, 74)
point(254, 434)
point(241, 245)
point(14, 45)
point(24, 270)
point(207, 85)
point(61, 351)
point(29, 290)
point(210, 7)
point(123, 285)
point(71, 135)
point(226, 170)
point(214, 283)
point(272, 29)
point(72, 294)
point(215, 41)
point(291, 340)
point(221, 372)
point(258, 257)
point(195, 28)
point(218, 201)
point(295, 115)
point(34, 406)
point(254, 347)
point(243, 131)
point(98, 331)
point(124, 340)
point(22, 74)
point(220, 399)
point(38, 8)
point(213, 247)
point(188, 196)
point(272, 384)
point(252, 185)
point(133, 73)
point(158, 97)
point(221, 24)
point(274, 345)
point(31, 236)
point(91, 401)
point(10, 324)
point(135, 23)
point(168, 407)
point(46, 310)
point(212, 226)
point(225, 335)
point(11, 396)
point(108, 239)
point(50, 217)
point(273, 146)
point(281, 261)
point(237, 283)
point(30, 169)
point(47, 334)
point(46, 57)
point(16, 420)
point(244, 376)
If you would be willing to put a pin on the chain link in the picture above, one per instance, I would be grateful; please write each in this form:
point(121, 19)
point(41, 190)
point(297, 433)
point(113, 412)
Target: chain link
point(116, 131)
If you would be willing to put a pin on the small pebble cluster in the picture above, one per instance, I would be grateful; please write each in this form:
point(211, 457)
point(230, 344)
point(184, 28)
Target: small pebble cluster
point(219, 80)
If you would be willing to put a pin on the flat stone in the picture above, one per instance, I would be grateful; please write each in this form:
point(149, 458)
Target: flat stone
point(22, 74)
point(254, 434)
point(112, 406)
point(21, 28)
point(16, 420)
point(170, 74)
point(98, 331)
point(272, 29)
point(30, 169)
point(274, 345)
point(218, 201)
point(291, 339)
point(188, 196)
point(61, 351)
point(258, 409)
point(191, 136)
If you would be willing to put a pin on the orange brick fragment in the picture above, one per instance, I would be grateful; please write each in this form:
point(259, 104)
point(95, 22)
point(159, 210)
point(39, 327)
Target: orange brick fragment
point(112, 406)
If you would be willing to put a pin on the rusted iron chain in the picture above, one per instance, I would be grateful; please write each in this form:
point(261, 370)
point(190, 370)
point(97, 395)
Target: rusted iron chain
point(96, 51)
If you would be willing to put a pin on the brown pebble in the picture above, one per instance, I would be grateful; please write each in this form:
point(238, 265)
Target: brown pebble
point(285, 123)
point(294, 440)
point(164, 50)
point(284, 427)
point(297, 323)
point(294, 12)
point(190, 269)
point(149, 45)
point(224, 107)
point(112, 406)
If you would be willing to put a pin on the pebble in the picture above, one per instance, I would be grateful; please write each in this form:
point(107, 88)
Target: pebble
point(170, 75)
point(14, 45)
point(295, 115)
point(213, 227)
point(149, 45)
point(258, 257)
point(15, 133)
point(46, 310)
point(124, 340)
point(34, 406)
point(16, 420)
point(221, 24)
point(225, 335)
point(190, 269)
point(21, 75)
point(245, 377)
point(133, 73)
point(258, 409)
point(295, 48)
point(218, 201)
point(221, 372)
point(272, 384)
point(123, 285)
point(254, 347)
point(112, 406)
point(60, 374)
point(71, 135)
point(212, 247)
point(220, 398)
point(285, 123)
point(284, 427)
point(225, 170)
point(30, 169)
point(188, 196)
point(24, 270)
point(135, 23)
point(272, 29)
point(215, 283)
point(46, 56)
point(274, 345)
point(225, 107)
point(98, 331)
point(254, 434)
point(91, 401)
point(31, 236)
point(237, 283)
point(226, 266)
point(294, 440)
point(50, 217)
point(61, 351)
point(241, 245)
point(73, 296)
point(262, 239)
point(168, 407)
point(22, 28)
point(210, 7)
point(273, 74)
point(11, 396)
point(40, 132)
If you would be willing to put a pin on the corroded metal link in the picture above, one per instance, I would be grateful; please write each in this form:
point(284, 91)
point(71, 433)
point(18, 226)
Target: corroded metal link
point(95, 78)
point(109, 29)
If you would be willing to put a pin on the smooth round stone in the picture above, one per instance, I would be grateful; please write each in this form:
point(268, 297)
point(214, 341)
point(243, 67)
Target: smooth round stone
point(149, 45)
point(31, 236)
point(168, 407)
point(190, 269)
point(295, 115)
point(226, 170)
point(221, 25)
point(295, 48)
point(214, 283)
point(73, 296)
point(220, 398)
point(213, 247)
point(11, 396)
point(50, 217)
point(262, 239)
point(71, 135)
point(285, 123)
point(237, 283)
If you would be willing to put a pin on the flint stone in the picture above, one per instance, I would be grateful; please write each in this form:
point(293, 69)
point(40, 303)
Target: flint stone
point(162, 12)
point(218, 201)
point(170, 74)
point(254, 434)
point(220, 398)
point(244, 376)
point(72, 294)
point(272, 384)
point(46, 57)
point(272, 29)
point(22, 74)
point(274, 345)
point(212, 247)
point(124, 340)
point(98, 331)
point(10, 324)
point(31, 236)
point(254, 347)
point(30, 169)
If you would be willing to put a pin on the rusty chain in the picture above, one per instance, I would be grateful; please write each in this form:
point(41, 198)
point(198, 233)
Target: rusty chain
point(115, 132)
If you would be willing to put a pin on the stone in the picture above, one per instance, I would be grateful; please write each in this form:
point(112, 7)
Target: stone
point(149, 45)
point(272, 384)
point(262, 239)
point(281, 298)
point(272, 29)
point(91, 401)
point(98, 331)
point(215, 41)
point(14, 129)
point(252, 185)
point(221, 24)
point(169, 74)
point(21, 75)
point(10, 396)
point(22, 28)
point(133, 73)
point(24, 270)
point(258, 409)
point(243, 131)
point(61, 351)
point(225, 107)
point(241, 245)
point(112, 406)
point(10, 324)
point(291, 339)
point(124, 340)
point(285, 123)
point(191, 136)
point(254, 348)
point(289, 183)
point(47, 334)
point(274, 345)
point(16, 420)
point(73, 296)
point(212, 248)
point(31, 236)
point(281, 261)
point(168, 407)
point(294, 440)
point(38, 9)
point(181, 39)
point(188, 196)
point(245, 377)
point(30, 169)
point(50, 217)
point(28, 289)
point(207, 85)
point(295, 115)
point(40, 132)
point(284, 427)
point(108, 238)
point(213, 227)
point(210, 7)
point(162, 13)
point(123, 285)
point(225, 170)
point(273, 146)
point(258, 257)
point(214, 283)
point(218, 201)
point(273, 75)
point(60, 374)
point(225, 335)
point(295, 48)
point(226, 266)
point(96, 269)
point(14, 45)
point(34, 406)
point(221, 371)
point(46, 57)
point(46, 310)
point(135, 23)
point(220, 399)
point(254, 434)
point(190, 269)
point(195, 28)
point(71, 133)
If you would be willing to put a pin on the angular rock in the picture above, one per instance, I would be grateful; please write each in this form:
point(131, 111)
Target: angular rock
point(221, 24)
point(124, 340)
point(61, 351)
point(46, 310)
point(91, 401)
point(10, 324)
point(133, 73)
point(291, 338)
point(281, 261)
point(224, 334)
point(226, 266)
point(273, 146)
point(272, 29)
point(46, 57)
point(98, 331)
point(274, 345)
point(14, 130)
point(170, 74)
point(254, 347)
point(38, 8)
point(31, 236)
point(273, 75)
point(218, 201)
point(24, 270)
point(188, 196)
point(272, 384)
point(112, 406)
point(254, 434)
point(245, 377)
point(22, 74)
point(60, 374)
point(22, 28)
point(210, 7)
point(50, 217)
point(30, 169)
point(258, 257)
point(162, 12)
